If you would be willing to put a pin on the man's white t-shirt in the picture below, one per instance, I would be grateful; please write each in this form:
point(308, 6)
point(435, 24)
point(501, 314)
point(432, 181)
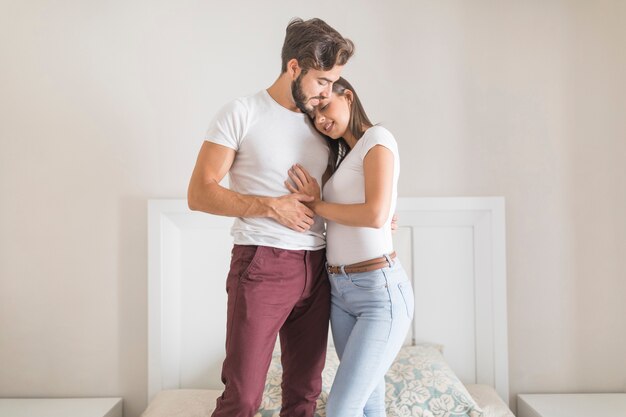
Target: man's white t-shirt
point(269, 139)
point(348, 244)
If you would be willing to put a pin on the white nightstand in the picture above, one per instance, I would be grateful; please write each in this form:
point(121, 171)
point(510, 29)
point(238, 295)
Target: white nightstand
point(571, 405)
point(60, 407)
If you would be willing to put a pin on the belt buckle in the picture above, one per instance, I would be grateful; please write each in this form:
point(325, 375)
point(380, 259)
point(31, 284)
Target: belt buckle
point(333, 270)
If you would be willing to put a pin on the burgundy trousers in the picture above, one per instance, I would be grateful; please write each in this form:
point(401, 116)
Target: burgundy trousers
point(274, 291)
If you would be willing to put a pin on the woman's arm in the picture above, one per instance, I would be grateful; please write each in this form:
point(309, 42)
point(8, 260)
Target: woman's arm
point(378, 171)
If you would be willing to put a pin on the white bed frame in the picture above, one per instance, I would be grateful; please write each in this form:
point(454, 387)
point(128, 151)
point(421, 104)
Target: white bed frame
point(453, 248)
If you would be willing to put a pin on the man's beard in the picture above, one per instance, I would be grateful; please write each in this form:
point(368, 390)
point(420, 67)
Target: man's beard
point(298, 95)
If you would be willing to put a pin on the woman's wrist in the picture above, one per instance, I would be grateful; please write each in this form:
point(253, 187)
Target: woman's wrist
point(315, 204)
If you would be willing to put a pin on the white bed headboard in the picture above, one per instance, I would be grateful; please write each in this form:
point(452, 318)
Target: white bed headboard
point(453, 248)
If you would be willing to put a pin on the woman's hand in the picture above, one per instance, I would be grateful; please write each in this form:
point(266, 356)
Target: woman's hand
point(304, 183)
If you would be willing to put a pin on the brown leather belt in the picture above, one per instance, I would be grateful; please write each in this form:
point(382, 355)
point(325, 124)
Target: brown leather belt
point(365, 266)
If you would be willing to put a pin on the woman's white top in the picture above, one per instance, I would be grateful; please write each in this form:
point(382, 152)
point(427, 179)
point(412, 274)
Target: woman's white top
point(348, 244)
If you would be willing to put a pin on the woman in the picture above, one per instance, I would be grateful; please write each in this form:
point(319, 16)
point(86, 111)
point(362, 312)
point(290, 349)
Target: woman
point(371, 297)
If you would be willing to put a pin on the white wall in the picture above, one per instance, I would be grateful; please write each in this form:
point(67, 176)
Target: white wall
point(104, 104)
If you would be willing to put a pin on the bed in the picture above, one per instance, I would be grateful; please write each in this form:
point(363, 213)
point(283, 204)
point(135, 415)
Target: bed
point(454, 251)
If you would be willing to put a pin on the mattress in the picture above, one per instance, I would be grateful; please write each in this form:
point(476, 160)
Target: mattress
point(182, 403)
point(201, 402)
point(488, 400)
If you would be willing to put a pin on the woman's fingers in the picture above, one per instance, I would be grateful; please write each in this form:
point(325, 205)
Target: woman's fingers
point(296, 179)
point(291, 187)
point(302, 173)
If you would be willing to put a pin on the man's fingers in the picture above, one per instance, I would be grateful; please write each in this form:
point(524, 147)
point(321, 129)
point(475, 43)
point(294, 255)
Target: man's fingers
point(308, 220)
point(302, 227)
point(304, 197)
point(295, 214)
point(394, 222)
point(309, 212)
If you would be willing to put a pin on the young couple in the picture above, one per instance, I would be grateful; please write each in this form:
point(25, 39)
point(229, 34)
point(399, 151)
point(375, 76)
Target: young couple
point(287, 277)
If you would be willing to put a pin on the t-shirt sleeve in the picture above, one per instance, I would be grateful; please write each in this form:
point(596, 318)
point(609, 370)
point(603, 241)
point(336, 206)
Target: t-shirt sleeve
point(228, 127)
point(379, 136)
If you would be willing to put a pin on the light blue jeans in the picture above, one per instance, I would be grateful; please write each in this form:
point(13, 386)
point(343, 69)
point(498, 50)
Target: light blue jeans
point(370, 315)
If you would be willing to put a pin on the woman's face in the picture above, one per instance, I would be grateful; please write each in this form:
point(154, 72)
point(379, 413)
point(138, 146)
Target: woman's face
point(331, 116)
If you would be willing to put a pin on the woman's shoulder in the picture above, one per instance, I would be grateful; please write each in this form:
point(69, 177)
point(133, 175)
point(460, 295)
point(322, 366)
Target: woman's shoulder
point(378, 135)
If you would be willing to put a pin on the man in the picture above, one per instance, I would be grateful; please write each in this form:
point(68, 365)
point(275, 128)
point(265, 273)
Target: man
point(277, 283)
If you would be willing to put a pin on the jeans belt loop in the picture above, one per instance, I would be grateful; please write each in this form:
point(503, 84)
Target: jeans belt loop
point(389, 261)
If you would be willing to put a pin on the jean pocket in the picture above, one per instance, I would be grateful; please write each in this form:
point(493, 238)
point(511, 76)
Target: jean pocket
point(407, 295)
point(374, 280)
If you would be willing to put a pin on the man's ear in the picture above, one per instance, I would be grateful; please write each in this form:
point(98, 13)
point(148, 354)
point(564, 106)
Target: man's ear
point(293, 68)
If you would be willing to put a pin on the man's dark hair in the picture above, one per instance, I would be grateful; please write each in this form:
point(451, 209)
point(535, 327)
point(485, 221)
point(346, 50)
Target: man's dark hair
point(315, 44)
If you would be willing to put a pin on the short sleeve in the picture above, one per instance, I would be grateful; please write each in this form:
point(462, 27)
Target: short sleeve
point(377, 135)
point(228, 127)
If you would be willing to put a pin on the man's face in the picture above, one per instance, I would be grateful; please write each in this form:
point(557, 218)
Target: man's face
point(310, 88)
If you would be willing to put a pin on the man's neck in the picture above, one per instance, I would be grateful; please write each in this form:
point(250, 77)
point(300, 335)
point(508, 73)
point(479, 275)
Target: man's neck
point(280, 91)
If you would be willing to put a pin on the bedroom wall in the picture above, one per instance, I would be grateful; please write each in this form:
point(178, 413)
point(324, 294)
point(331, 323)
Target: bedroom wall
point(104, 105)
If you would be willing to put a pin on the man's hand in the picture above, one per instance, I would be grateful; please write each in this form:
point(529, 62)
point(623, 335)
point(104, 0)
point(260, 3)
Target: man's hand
point(290, 211)
point(394, 223)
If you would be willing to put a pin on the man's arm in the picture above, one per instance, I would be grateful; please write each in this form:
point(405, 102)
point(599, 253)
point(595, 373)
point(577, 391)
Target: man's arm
point(206, 194)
